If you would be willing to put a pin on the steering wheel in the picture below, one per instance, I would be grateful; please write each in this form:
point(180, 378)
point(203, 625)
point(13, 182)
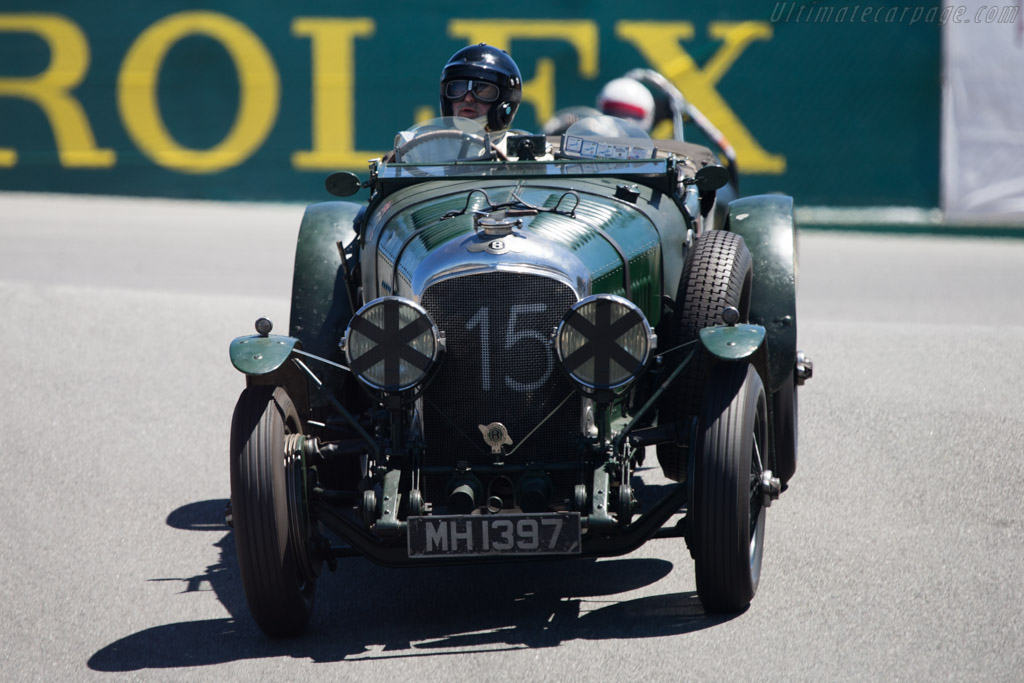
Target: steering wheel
point(444, 133)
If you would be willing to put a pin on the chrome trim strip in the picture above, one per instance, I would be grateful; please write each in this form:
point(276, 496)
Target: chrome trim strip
point(524, 269)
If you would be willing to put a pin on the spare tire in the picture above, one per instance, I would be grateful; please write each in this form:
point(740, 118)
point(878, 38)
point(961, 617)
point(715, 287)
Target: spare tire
point(717, 273)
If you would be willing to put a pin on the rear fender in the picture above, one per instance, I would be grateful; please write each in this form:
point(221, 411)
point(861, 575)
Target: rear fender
point(766, 224)
point(322, 297)
point(321, 304)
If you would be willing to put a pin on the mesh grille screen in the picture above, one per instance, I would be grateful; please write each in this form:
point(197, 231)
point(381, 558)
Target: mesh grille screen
point(499, 367)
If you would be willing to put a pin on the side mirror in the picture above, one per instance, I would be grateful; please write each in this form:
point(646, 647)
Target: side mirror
point(343, 184)
point(710, 178)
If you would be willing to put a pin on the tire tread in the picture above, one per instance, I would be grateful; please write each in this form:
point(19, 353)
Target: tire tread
point(720, 545)
point(280, 602)
point(717, 272)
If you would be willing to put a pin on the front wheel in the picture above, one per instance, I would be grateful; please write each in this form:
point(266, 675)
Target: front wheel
point(272, 531)
point(727, 516)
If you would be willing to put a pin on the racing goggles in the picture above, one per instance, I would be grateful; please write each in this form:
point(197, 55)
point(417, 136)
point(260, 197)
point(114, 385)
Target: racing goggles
point(482, 90)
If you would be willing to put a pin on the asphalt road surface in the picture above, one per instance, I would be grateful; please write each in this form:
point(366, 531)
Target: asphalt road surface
point(897, 553)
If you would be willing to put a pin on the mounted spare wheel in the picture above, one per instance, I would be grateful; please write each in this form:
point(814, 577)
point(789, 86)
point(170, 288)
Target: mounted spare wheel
point(717, 273)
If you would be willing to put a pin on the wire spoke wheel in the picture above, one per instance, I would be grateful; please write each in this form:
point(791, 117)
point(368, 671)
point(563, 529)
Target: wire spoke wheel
point(728, 517)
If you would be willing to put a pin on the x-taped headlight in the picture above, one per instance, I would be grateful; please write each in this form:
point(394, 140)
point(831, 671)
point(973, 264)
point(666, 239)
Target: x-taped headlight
point(392, 344)
point(603, 342)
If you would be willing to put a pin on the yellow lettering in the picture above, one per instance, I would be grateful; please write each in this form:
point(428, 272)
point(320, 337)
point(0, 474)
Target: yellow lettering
point(540, 90)
point(424, 113)
point(50, 90)
point(334, 65)
point(258, 97)
point(659, 42)
point(663, 131)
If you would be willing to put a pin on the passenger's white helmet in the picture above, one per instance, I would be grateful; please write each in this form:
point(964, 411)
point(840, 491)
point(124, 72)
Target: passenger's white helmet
point(627, 99)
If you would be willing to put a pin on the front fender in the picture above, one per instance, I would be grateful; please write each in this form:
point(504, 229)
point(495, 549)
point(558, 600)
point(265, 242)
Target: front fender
point(732, 342)
point(766, 224)
point(737, 344)
point(255, 355)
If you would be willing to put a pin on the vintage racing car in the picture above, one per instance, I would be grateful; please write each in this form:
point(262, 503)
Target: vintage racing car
point(481, 355)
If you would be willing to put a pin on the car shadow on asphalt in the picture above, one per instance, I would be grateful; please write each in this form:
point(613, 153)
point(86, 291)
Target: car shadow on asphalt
point(367, 612)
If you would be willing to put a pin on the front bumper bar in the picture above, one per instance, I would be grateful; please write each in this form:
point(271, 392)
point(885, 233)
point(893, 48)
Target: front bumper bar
point(392, 551)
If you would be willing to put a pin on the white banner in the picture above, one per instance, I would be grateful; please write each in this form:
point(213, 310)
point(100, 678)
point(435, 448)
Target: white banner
point(983, 113)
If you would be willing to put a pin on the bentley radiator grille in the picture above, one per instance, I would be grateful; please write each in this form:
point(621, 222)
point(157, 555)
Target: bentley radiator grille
point(500, 367)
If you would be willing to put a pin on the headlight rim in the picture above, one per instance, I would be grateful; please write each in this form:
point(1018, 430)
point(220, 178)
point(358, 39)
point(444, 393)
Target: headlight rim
point(434, 358)
point(592, 388)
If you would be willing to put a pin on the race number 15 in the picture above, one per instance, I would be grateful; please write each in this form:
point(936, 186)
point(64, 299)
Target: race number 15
point(515, 332)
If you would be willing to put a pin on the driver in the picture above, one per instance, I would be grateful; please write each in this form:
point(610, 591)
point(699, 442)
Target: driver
point(482, 82)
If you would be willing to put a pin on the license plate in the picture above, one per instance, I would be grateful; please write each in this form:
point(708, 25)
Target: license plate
point(547, 533)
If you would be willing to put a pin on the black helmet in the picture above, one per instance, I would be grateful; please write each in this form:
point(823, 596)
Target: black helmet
point(486, 63)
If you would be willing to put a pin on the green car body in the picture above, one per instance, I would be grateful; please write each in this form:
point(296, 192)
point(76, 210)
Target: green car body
point(535, 333)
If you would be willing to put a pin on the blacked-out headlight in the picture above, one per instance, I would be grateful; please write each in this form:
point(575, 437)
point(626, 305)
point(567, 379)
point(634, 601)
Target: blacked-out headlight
point(392, 344)
point(603, 342)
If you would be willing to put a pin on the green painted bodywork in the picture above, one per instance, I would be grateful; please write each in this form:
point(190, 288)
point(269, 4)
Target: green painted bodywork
point(766, 224)
point(321, 308)
point(256, 355)
point(407, 226)
point(732, 343)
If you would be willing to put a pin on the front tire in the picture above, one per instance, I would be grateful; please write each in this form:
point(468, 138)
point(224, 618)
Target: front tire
point(727, 514)
point(270, 520)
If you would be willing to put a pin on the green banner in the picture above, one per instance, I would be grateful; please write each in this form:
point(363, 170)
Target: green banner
point(259, 102)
